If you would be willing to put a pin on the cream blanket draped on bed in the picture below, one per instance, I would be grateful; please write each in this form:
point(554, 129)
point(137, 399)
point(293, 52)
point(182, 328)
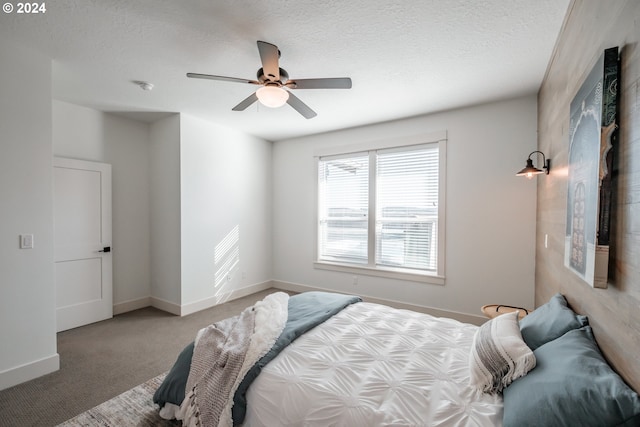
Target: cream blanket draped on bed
point(223, 354)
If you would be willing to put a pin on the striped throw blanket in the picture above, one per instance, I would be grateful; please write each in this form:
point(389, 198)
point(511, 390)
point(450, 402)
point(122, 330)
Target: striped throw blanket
point(223, 354)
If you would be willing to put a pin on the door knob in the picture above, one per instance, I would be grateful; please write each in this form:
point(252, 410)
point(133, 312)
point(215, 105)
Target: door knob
point(105, 249)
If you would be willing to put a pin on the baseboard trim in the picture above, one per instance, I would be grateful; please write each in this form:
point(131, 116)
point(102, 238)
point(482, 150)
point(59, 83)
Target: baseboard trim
point(462, 317)
point(190, 308)
point(29, 371)
point(130, 305)
point(193, 307)
point(164, 305)
point(205, 303)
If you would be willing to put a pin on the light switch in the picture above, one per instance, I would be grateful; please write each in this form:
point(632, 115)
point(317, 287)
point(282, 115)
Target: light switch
point(26, 241)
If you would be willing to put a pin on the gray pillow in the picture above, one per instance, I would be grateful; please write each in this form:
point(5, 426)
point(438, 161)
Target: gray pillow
point(572, 385)
point(550, 321)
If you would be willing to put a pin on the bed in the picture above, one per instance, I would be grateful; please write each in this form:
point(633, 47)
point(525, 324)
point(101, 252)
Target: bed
point(329, 359)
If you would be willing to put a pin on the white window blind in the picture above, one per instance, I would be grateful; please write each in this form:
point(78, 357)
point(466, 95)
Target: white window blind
point(407, 208)
point(343, 209)
point(400, 188)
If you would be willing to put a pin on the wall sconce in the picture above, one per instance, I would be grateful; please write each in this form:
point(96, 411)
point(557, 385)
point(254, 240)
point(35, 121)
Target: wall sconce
point(529, 170)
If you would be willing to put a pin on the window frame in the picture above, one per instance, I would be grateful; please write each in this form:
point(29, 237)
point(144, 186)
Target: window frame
point(371, 269)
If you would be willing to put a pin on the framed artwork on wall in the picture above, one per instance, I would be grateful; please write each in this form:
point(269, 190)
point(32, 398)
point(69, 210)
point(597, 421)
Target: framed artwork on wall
point(593, 121)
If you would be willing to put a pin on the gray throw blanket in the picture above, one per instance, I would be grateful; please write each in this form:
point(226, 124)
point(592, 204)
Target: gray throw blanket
point(223, 353)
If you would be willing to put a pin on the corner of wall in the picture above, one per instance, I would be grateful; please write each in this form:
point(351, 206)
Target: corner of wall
point(27, 294)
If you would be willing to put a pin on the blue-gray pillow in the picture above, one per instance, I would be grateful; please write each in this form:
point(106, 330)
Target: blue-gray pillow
point(550, 321)
point(173, 386)
point(572, 385)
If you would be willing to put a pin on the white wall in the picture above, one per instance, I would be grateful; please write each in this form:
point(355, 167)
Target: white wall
point(27, 314)
point(164, 173)
point(180, 186)
point(225, 187)
point(87, 134)
point(490, 213)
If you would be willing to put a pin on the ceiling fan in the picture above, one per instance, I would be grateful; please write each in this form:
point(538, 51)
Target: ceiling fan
point(274, 80)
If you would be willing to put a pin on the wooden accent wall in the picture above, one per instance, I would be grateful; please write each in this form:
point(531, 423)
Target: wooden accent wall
point(614, 313)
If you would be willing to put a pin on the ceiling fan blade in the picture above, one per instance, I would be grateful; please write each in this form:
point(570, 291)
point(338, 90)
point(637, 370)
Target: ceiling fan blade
point(269, 55)
point(330, 83)
point(246, 102)
point(301, 107)
point(222, 78)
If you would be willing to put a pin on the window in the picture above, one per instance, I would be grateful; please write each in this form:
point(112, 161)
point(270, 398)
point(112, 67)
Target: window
point(380, 210)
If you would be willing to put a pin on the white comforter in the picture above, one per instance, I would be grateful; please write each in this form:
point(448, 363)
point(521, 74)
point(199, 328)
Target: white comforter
point(372, 365)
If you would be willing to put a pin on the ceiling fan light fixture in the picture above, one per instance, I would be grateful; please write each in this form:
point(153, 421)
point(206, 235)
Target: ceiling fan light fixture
point(272, 96)
point(273, 81)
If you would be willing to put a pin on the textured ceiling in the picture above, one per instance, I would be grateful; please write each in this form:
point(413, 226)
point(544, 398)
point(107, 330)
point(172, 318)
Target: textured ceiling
point(405, 58)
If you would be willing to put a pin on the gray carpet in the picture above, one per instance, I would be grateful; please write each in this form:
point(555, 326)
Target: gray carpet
point(103, 360)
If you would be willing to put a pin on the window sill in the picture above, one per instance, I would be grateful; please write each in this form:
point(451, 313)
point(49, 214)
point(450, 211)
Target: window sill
point(390, 273)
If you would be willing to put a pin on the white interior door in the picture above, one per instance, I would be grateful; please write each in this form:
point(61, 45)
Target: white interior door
point(82, 242)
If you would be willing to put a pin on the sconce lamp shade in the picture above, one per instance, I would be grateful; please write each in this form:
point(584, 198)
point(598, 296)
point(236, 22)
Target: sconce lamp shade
point(530, 170)
point(272, 96)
